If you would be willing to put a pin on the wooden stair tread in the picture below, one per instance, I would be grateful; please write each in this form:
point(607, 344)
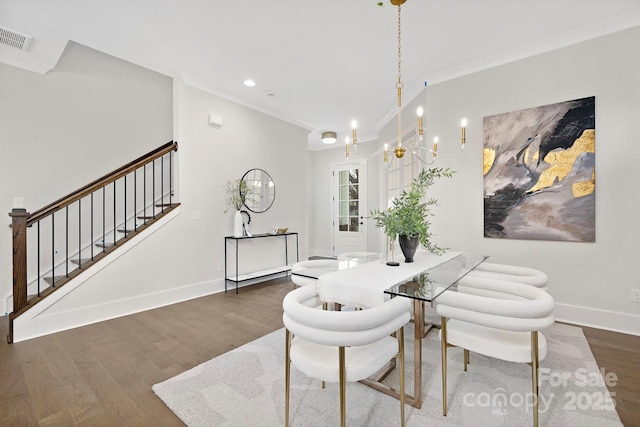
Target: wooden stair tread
point(55, 280)
point(103, 245)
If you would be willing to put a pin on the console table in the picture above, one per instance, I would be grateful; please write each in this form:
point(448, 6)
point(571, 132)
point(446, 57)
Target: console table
point(237, 278)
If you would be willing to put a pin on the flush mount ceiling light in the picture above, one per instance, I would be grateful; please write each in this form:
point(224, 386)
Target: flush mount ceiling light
point(415, 136)
point(249, 83)
point(329, 137)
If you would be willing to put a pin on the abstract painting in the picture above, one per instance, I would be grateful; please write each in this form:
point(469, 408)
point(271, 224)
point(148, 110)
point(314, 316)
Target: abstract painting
point(539, 173)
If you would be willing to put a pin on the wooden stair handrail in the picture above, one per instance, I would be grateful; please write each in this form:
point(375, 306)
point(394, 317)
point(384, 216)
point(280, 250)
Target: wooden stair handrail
point(102, 182)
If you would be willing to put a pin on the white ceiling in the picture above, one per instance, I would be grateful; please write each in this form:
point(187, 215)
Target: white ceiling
point(324, 62)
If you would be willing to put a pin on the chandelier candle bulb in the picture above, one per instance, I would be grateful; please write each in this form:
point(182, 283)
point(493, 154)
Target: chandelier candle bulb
point(463, 123)
point(435, 147)
point(346, 144)
point(386, 148)
point(420, 112)
point(354, 125)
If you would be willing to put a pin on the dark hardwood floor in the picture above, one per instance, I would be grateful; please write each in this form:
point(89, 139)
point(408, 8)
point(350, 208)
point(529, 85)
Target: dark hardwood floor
point(101, 375)
point(620, 354)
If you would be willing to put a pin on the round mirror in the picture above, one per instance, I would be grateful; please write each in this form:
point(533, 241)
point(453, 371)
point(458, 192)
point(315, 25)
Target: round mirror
point(257, 190)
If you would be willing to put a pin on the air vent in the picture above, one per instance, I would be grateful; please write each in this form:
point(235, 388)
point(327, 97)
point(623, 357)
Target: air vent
point(14, 39)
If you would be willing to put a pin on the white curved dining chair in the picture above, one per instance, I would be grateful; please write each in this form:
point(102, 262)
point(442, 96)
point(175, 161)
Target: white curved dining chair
point(503, 321)
point(342, 346)
point(301, 265)
point(513, 273)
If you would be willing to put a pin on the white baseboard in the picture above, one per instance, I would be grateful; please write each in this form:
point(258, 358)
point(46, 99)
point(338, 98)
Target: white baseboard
point(41, 323)
point(600, 319)
point(27, 327)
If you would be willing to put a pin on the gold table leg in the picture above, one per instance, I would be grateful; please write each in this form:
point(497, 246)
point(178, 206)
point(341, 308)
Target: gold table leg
point(415, 399)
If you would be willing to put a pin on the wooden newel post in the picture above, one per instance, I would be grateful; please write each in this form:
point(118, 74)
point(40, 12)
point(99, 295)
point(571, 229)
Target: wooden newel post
point(19, 228)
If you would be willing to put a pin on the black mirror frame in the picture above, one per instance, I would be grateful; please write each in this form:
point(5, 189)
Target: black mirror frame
point(243, 195)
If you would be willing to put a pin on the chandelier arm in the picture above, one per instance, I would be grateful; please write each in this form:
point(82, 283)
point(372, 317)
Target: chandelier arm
point(388, 164)
point(440, 153)
point(433, 160)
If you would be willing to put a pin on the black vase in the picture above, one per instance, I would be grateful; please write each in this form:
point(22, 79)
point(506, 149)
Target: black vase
point(409, 244)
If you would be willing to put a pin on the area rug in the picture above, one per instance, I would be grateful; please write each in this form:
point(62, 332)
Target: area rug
point(245, 387)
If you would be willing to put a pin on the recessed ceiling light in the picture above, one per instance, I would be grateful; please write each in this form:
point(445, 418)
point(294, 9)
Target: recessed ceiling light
point(249, 83)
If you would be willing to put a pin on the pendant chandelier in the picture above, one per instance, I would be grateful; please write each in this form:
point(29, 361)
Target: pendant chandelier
point(415, 136)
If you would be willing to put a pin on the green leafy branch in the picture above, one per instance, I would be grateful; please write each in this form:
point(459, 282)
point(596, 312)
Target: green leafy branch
point(409, 214)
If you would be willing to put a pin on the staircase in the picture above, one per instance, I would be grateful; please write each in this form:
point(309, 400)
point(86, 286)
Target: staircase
point(60, 241)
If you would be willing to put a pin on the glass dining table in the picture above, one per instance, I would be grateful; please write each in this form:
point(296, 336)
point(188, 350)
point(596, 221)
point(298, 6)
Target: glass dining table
point(369, 281)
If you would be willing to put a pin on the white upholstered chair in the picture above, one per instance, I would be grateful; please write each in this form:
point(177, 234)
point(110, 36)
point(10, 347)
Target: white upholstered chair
point(313, 263)
point(499, 319)
point(342, 346)
point(513, 273)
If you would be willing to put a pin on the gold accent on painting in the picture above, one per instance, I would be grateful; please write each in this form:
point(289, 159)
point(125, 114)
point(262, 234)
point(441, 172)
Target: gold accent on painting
point(561, 161)
point(489, 156)
point(529, 157)
point(584, 188)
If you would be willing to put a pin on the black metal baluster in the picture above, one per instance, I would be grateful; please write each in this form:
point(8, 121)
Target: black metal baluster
point(38, 228)
point(125, 207)
point(144, 193)
point(53, 250)
point(91, 244)
point(170, 177)
point(115, 237)
point(153, 205)
point(135, 195)
point(80, 233)
point(162, 182)
point(104, 220)
point(66, 240)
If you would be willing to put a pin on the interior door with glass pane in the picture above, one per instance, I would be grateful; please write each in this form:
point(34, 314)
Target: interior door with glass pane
point(349, 208)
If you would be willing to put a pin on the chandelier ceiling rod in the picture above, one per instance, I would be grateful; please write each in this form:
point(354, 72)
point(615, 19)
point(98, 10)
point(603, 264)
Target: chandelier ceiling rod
point(399, 150)
point(415, 145)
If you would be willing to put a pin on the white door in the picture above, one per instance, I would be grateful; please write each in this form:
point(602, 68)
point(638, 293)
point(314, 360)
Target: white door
point(349, 208)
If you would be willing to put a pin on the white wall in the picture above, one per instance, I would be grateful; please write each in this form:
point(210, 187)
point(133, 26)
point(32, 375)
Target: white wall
point(590, 282)
point(209, 157)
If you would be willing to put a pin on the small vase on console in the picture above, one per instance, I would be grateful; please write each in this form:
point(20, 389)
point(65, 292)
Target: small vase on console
point(237, 224)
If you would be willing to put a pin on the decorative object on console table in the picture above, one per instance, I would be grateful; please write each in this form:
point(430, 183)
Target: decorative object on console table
point(235, 201)
point(278, 230)
point(245, 225)
point(237, 225)
point(409, 215)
